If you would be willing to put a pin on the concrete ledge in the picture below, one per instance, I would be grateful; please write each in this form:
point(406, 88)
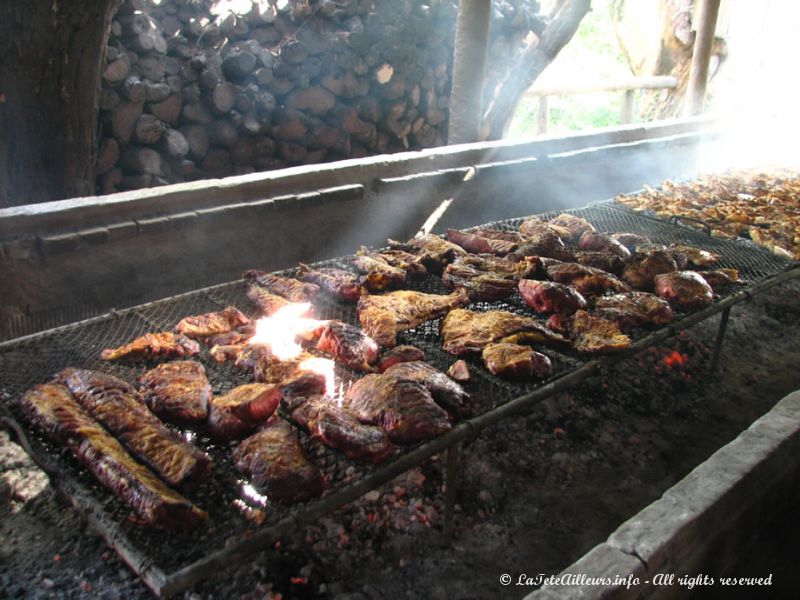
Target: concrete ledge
point(680, 533)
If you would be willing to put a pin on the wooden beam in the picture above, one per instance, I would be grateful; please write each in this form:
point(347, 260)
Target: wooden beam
point(703, 43)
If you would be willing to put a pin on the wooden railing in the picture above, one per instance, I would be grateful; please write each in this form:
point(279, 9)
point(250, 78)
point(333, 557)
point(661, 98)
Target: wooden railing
point(629, 86)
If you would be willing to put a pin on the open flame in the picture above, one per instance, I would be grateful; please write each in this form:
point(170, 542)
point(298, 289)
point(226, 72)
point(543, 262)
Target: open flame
point(676, 359)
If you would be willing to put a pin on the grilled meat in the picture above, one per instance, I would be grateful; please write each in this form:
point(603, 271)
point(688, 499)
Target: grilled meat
point(684, 290)
point(550, 297)
point(508, 267)
point(339, 283)
point(399, 354)
point(605, 261)
point(223, 353)
point(586, 280)
point(330, 424)
point(459, 371)
point(274, 461)
point(404, 409)
point(642, 270)
point(56, 413)
point(446, 393)
point(601, 242)
point(410, 263)
point(434, 252)
point(242, 409)
point(348, 345)
point(485, 241)
point(479, 285)
point(384, 316)
point(119, 408)
point(200, 327)
point(595, 335)
point(465, 331)
point(154, 345)
point(543, 240)
point(721, 278)
point(633, 309)
point(270, 369)
point(630, 240)
point(291, 289)
point(238, 336)
point(177, 392)
point(533, 226)
point(515, 361)
point(377, 274)
point(575, 225)
point(695, 257)
point(267, 302)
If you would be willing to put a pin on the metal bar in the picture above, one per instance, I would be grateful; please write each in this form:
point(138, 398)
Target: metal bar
point(657, 82)
point(543, 116)
point(701, 56)
point(451, 487)
point(723, 324)
point(628, 104)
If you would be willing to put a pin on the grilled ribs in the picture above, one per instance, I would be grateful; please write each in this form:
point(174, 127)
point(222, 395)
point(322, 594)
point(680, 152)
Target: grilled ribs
point(516, 361)
point(684, 290)
point(154, 345)
point(446, 393)
point(633, 309)
point(177, 392)
point(329, 423)
point(384, 316)
point(339, 283)
point(464, 331)
point(276, 464)
point(119, 408)
point(404, 409)
point(55, 412)
point(601, 242)
point(347, 345)
point(399, 354)
point(291, 289)
point(550, 297)
point(242, 409)
point(200, 327)
point(377, 274)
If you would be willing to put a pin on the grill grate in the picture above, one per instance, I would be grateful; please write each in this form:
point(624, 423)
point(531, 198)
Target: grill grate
point(36, 358)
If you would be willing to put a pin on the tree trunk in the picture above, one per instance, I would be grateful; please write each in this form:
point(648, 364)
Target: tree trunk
point(561, 26)
point(50, 66)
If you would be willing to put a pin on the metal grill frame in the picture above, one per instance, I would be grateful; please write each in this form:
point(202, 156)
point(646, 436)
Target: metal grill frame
point(763, 271)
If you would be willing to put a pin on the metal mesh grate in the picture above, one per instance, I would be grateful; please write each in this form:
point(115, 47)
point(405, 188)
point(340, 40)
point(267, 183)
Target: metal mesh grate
point(35, 359)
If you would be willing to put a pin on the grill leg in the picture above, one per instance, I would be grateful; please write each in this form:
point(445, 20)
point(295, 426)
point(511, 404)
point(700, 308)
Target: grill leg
point(723, 324)
point(451, 484)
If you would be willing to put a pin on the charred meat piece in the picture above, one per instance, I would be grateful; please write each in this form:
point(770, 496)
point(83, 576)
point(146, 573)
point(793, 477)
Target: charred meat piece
point(550, 297)
point(534, 226)
point(446, 393)
point(434, 252)
point(586, 280)
point(479, 285)
point(377, 274)
point(509, 267)
point(601, 242)
point(239, 336)
point(695, 257)
point(543, 240)
point(633, 309)
point(595, 335)
point(404, 409)
point(200, 327)
point(459, 371)
point(630, 240)
point(339, 283)
point(291, 289)
point(642, 270)
point(515, 361)
point(223, 353)
point(399, 354)
point(271, 369)
point(55, 412)
point(267, 302)
point(154, 345)
point(575, 225)
point(605, 261)
point(330, 424)
point(465, 331)
point(119, 408)
point(241, 410)
point(274, 461)
point(684, 290)
point(348, 345)
point(384, 316)
point(410, 263)
point(486, 241)
point(721, 278)
point(177, 392)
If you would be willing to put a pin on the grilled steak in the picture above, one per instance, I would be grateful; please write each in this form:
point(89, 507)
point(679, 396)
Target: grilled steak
point(339, 283)
point(543, 240)
point(56, 413)
point(630, 240)
point(479, 285)
point(399, 354)
point(377, 274)
point(276, 464)
point(404, 409)
point(241, 410)
point(721, 278)
point(684, 290)
point(575, 225)
point(434, 252)
point(200, 327)
point(267, 302)
point(605, 261)
point(550, 297)
point(483, 242)
point(633, 309)
point(178, 391)
point(515, 361)
point(384, 316)
point(601, 242)
point(119, 408)
point(270, 369)
point(695, 257)
point(446, 393)
point(533, 226)
point(465, 331)
point(347, 345)
point(154, 345)
point(410, 263)
point(642, 270)
point(329, 423)
point(508, 267)
point(291, 289)
point(238, 336)
point(586, 280)
point(595, 335)
point(459, 371)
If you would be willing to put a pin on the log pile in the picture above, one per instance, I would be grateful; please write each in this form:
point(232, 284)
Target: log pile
point(189, 94)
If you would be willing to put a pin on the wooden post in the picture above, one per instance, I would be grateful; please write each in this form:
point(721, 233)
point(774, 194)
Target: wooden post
point(698, 76)
point(469, 60)
point(543, 116)
point(628, 105)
